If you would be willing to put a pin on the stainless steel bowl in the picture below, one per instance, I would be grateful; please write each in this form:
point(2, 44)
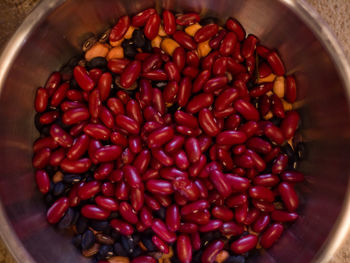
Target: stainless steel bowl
point(54, 32)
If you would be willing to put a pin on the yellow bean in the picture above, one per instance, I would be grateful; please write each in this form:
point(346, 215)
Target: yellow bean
point(116, 43)
point(161, 31)
point(268, 116)
point(169, 45)
point(118, 260)
point(269, 78)
point(222, 256)
point(286, 105)
point(129, 32)
point(192, 29)
point(116, 52)
point(156, 41)
point(58, 177)
point(278, 86)
point(203, 49)
point(98, 50)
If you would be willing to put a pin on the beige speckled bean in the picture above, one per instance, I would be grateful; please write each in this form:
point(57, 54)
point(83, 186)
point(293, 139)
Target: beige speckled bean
point(278, 86)
point(58, 177)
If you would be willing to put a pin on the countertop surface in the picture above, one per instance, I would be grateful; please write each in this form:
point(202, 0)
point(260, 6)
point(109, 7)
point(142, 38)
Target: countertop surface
point(335, 12)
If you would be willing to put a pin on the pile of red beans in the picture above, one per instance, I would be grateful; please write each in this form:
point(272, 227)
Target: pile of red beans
point(173, 140)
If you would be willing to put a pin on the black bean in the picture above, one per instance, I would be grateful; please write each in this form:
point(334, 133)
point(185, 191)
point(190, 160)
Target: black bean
point(276, 121)
point(147, 47)
point(99, 225)
point(235, 259)
point(82, 224)
point(251, 84)
point(209, 20)
point(88, 239)
point(49, 199)
point(77, 240)
point(45, 131)
point(67, 219)
point(115, 235)
point(138, 38)
point(127, 43)
point(160, 213)
point(136, 237)
point(209, 236)
point(119, 250)
point(130, 52)
point(300, 151)
point(50, 170)
point(76, 217)
point(175, 260)
point(128, 243)
point(148, 243)
point(197, 257)
point(58, 189)
point(137, 252)
point(97, 62)
point(105, 251)
point(71, 178)
point(287, 149)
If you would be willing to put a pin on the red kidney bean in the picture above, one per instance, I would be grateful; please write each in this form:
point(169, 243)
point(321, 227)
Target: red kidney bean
point(130, 74)
point(250, 63)
point(75, 96)
point(123, 96)
point(228, 44)
point(200, 80)
point(172, 71)
point(151, 63)
point(106, 203)
point(127, 156)
point(196, 168)
point(202, 188)
point(88, 190)
point(146, 216)
point(42, 181)
point(184, 248)
point(158, 101)
point(190, 72)
point(290, 89)
point(289, 196)
point(162, 231)
point(172, 218)
point(283, 216)
point(57, 156)
point(144, 259)
point(185, 119)
point(290, 124)
point(274, 133)
point(58, 96)
point(263, 206)
point(132, 176)
point(196, 241)
point(179, 199)
point(97, 131)
point(194, 207)
point(77, 129)
point(61, 136)
point(158, 186)
point(127, 213)
point(53, 82)
point(67, 105)
point(94, 103)
point(184, 40)
point(107, 153)
point(204, 142)
point(261, 223)
point(122, 191)
point(49, 117)
point(241, 213)
point(212, 250)
point(104, 85)
point(262, 51)
point(152, 26)
point(244, 161)
point(277, 106)
point(141, 18)
point(128, 124)
point(184, 92)
point(234, 26)
point(187, 19)
point(275, 63)
point(214, 43)
point(106, 117)
point(226, 98)
point(79, 147)
point(186, 188)
point(232, 122)
point(239, 149)
point(232, 228)
point(259, 162)
point(225, 158)
point(160, 244)
point(271, 235)
point(199, 102)
point(133, 111)
point(162, 157)
point(169, 22)
point(57, 210)
point(179, 58)
point(267, 180)
point(237, 200)
point(181, 160)
point(264, 70)
point(117, 66)
point(223, 213)
point(259, 145)
point(170, 92)
point(192, 149)
point(192, 59)
point(244, 244)
point(137, 198)
point(206, 32)
point(239, 184)
point(261, 89)
point(252, 216)
point(119, 30)
point(172, 173)
point(208, 61)
point(200, 218)
point(280, 163)
point(249, 45)
point(220, 182)
point(231, 137)
point(122, 227)
point(207, 122)
point(174, 144)
point(119, 139)
point(142, 161)
point(83, 79)
point(292, 176)
point(215, 84)
point(107, 189)
point(74, 116)
point(95, 74)
point(116, 106)
point(212, 225)
point(248, 111)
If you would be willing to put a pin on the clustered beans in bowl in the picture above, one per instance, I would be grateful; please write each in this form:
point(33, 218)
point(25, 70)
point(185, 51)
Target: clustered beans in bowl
point(172, 140)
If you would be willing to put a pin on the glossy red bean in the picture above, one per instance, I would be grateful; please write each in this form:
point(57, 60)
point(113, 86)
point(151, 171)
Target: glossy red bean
point(184, 248)
point(170, 92)
point(160, 244)
point(226, 98)
point(169, 22)
point(233, 25)
point(106, 117)
point(200, 80)
point(187, 19)
point(172, 218)
point(184, 92)
point(119, 30)
point(83, 79)
point(248, 111)
point(261, 89)
point(144, 259)
point(174, 144)
point(192, 149)
point(41, 100)
point(107, 153)
point(130, 74)
point(194, 207)
point(223, 213)
point(212, 250)
point(274, 133)
point(290, 124)
point(220, 182)
point(117, 66)
point(231, 137)
point(206, 32)
point(162, 157)
point(196, 241)
point(215, 84)
point(252, 216)
point(61, 136)
point(162, 231)
point(179, 58)
point(122, 227)
point(57, 210)
point(74, 116)
point(79, 147)
point(49, 117)
point(184, 40)
point(106, 203)
point(259, 145)
point(261, 223)
point(196, 168)
point(104, 85)
point(239, 184)
point(228, 44)
point(283, 216)
point(232, 228)
point(271, 235)
point(200, 218)
point(146, 216)
point(275, 63)
point(172, 71)
point(249, 45)
point(237, 200)
point(267, 180)
point(277, 106)
point(46, 142)
point(128, 213)
point(290, 89)
point(43, 181)
point(152, 26)
point(244, 244)
point(186, 188)
point(292, 176)
point(128, 124)
point(97, 131)
point(141, 18)
point(199, 102)
point(207, 122)
point(289, 196)
point(94, 103)
point(157, 186)
point(132, 176)
point(53, 82)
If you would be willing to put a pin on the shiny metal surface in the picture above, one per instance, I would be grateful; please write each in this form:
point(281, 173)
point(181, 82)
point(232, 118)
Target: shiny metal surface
point(54, 32)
